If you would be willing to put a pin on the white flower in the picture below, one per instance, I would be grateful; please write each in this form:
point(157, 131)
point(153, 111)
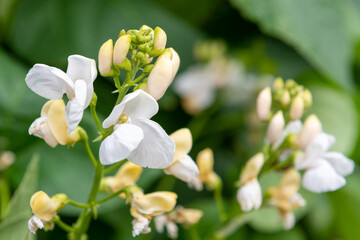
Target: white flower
point(325, 170)
point(249, 195)
point(35, 223)
point(183, 166)
point(140, 226)
point(163, 221)
point(77, 83)
point(135, 137)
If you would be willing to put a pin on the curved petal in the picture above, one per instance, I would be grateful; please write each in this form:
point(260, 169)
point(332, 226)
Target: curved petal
point(49, 82)
point(156, 150)
point(342, 165)
point(40, 128)
point(120, 143)
point(320, 144)
point(322, 178)
point(249, 196)
point(183, 142)
point(80, 67)
point(293, 127)
point(134, 105)
point(183, 168)
point(75, 108)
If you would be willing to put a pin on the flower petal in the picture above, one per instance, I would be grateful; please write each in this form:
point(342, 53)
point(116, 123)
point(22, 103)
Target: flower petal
point(49, 82)
point(320, 145)
point(75, 108)
point(156, 150)
point(120, 143)
point(40, 128)
point(80, 67)
point(322, 178)
point(134, 105)
point(183, 168)
point(249, 196)
point(183, 142)
point(342, 165)
point(293, 127)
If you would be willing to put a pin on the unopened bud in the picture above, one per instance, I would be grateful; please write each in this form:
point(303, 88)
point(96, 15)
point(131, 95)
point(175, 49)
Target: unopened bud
point(278, 84)
point(7, 158)
point(106, 58)
point(297, 108)
point(289, 184)
point(252, 168)
point(43, 206)
point(175, 60)
point(290, 83)
point(122, 33)
point(311, 128)
point(159, 38)
point(145, 27)
point(285, 98)
point(121, 49)
point(307, 97)
point(276, 127)
point(263, 104)
point(148, 68)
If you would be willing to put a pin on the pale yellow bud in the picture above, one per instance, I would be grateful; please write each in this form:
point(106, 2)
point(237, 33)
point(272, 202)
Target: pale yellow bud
point(106, 58)
point(297, 108)
point(43, 206)
point(175, 60)
point(7, 158)
point(285, 98)
point(289, 184)
point(161, 76)
point(307, 98)
point(145, 27)
point(183, 142)
point(252, 168)
point(188, 216)
point(121, 49)
point(155, 203)
point(311, 128)
point(276, 127)
point(159, 38)
point(263, 104)
point(205, 162)
point(278, 84)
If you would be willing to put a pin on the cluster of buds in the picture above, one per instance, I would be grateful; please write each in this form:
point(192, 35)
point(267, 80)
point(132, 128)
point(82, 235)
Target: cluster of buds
point(186, 217)
point(134, 50)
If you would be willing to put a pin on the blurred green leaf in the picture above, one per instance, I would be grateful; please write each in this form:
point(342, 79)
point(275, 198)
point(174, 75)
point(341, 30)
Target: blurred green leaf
point(322, 31)
point(266, 220)
point(293, 234)
point(14, 225)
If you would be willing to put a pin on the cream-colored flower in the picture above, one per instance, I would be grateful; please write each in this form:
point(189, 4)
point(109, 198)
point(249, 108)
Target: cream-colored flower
point(52, 126)
point(183, 167)
point(155, 203)
point(205, 162)
point(45, 207)
point(263, 104)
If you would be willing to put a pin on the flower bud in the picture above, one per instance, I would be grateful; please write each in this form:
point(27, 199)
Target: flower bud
point(288, 186)
point(155, 203)
point(276, 127)
point(121, 49)
point(7, 158)
point(183, 142)
point(252, 168)
point(263, 104)
point(175, 59)
point(307, 97)
point(145, 27)
point(188, 216)
point(44, 207)
point(161, 76)
point(106, 59)
point(278, 84)
point(285, 98)
point(52, 125)
point(297, 108)
point(205, 162)
point(159, 38)
point(311, 128)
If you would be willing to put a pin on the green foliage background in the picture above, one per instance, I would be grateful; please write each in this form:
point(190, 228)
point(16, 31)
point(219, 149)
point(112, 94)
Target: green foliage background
point(315, 42)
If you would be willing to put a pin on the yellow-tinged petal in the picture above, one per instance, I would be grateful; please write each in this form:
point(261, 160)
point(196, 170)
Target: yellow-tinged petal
point(188, 216)
point(106, 58)
point(252, 168)
point(43, 206)
point(155, 203)
point(159, 38)
point(289, 185)
point(54, 110)
point(205, 162)
point(183, 142)
point(121, 49)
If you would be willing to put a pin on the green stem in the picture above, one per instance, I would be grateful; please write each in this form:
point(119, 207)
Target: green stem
point(96, 118)
point(115, 194)
point(194, 233)
point(62, 225)
point(138, 78)
point(232, 226)
point(220, 203)
point(114, 166)
point(77, 204)
point(87, 147)
point(122, 92)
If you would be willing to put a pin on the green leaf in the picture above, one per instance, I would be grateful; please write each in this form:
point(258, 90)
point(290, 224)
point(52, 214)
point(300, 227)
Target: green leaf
point(14, 225)
point(322, 31)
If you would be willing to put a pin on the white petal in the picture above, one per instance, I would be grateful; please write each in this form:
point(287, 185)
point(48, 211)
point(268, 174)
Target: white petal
point(184, 169)
point(289, 221)
point(75, 108)
point(34, 224)
point(293, 127)
point(320, 144)
point(134, 105)
point(160, 222)
point(140, 226)
point(156, 150)
point(40, 128)
point(249, 196)
point(49, 82)
point(196, 184)
point(120, 143)
point(322, 178)
point(80, 67)
point(304, 161)
point(172, 230)
point(342, 165)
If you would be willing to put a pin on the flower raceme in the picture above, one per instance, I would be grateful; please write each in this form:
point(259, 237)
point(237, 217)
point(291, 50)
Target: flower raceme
point(77, 83)
point(249, 194)
point(52, 126)
point(182, 166)
point(135, 136)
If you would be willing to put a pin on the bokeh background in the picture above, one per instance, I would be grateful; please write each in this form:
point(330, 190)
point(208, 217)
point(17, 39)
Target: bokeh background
point(314, 42)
